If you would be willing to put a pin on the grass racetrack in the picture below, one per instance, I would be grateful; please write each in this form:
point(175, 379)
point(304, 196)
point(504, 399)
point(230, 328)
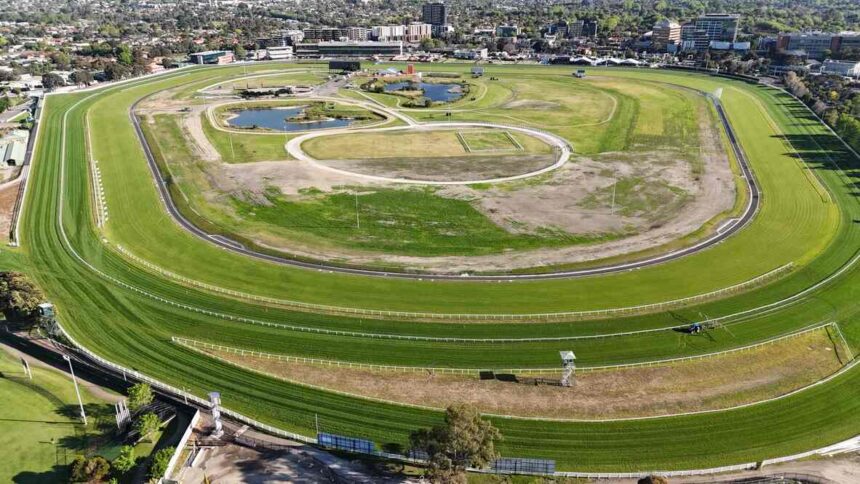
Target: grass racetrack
point(808, 217)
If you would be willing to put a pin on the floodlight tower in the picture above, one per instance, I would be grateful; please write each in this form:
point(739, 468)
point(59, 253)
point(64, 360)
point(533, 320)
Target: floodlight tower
point(215, 402)
point(568, 366)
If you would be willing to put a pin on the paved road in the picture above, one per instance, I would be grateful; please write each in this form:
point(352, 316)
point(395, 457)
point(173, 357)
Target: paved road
point(721, 235)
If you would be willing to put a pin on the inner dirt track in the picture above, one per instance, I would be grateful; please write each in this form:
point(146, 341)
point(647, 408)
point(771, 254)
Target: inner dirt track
point(294, 148)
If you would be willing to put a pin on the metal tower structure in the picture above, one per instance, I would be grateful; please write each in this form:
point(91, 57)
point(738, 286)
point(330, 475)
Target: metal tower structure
point(568, 367)
point(215, 402)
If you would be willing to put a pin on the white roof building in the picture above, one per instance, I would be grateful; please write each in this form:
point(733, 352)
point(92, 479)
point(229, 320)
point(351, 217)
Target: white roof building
point(841, 68)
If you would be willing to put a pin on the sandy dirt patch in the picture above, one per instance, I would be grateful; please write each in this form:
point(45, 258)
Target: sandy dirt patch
point(8, 194)
point(711, 383)
point(446, 168)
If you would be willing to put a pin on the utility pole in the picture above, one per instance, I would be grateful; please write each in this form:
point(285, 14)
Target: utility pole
point(77, 390)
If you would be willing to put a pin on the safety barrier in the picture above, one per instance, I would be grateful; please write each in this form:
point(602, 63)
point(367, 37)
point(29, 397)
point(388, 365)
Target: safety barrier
point(197, 345)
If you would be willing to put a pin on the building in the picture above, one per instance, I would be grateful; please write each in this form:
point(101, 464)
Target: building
point(435, 13)
point(819, 45)
point(417, 31)
point(721, 27)
point(324, 34)
point(665, 32)
point(388, 33)
point(560, 29)
point(841, 68)
point(212, 57)
point(285, 37)
point(582, 28)
point(357, 34)
point(13, 148)
point(471, 54)
point(507, 31)
point(279, 53)
point(347, 50)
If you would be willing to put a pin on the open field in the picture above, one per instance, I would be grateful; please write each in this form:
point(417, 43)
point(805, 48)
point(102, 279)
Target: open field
point(82, 275)
point(413, 143)
point(42, 431)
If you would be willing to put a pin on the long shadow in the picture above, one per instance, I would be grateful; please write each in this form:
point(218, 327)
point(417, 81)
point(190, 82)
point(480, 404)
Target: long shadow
point(50, 422)
point(59, 473)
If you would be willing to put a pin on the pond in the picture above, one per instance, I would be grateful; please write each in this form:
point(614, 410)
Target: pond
point(276, 119)
point(434, 92)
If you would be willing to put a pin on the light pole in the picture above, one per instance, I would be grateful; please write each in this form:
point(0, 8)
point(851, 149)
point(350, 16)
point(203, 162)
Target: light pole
point(77, 390)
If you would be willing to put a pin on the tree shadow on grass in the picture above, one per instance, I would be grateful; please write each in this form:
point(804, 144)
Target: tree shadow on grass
point(58, 473)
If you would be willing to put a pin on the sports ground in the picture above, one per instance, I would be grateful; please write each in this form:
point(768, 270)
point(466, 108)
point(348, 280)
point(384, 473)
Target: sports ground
point(137, 288)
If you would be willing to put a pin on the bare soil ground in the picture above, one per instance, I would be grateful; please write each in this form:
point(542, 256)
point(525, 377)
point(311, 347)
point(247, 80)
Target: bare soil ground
point(467, 167)
point(711, 383)
point(8, 194)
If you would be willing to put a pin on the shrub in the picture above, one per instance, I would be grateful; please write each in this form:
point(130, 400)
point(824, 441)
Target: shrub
point(160, 461)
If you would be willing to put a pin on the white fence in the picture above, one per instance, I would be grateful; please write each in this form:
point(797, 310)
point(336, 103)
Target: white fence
point(197, 345)
point(180, 446)
point(847, 445)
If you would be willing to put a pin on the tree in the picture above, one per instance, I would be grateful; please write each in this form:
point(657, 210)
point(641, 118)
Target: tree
point(464, 440)
point(160, 461)
point(147, 424)
point(116, 71)
point(94, 469)
point(19, 296)
point(139, 396)
point(126, 459)
point(124, 55)
point(81, 77)
point(52, 81)
point(239, 52)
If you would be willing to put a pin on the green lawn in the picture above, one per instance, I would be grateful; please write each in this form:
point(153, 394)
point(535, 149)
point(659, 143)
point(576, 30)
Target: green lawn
point(415, 144)
point(403, 221)
point(41, 430)
point(133, 328)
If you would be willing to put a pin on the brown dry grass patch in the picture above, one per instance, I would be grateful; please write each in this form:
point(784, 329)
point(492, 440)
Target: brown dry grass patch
point(707, 384)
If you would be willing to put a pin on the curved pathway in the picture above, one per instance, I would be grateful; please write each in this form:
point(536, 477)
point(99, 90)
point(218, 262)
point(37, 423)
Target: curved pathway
point(294, 148)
